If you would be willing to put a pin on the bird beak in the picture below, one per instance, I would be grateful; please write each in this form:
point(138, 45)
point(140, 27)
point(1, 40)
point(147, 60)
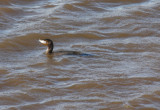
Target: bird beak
point(43, 42)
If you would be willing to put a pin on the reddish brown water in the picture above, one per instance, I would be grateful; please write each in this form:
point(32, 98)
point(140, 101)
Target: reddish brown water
point(123, 36)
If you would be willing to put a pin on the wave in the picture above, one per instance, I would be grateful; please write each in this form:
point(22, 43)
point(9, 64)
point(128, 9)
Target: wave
point(10, 11)
point(31, 40)
point(20, 42)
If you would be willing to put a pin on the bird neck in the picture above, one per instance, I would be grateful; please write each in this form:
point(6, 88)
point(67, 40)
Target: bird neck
point(49, 48)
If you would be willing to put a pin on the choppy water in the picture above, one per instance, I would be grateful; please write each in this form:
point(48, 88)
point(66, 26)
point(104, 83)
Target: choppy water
point(123, 35)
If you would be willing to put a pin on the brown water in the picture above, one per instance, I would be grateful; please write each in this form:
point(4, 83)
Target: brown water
point(123, 36)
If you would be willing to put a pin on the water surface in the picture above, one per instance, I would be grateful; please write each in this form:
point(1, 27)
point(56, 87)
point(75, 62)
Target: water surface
point(122, 34)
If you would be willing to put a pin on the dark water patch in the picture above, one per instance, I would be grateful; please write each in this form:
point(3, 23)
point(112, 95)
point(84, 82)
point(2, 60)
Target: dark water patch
point(37, 65)
point(115, 1)
point(7, 100)
point(87, 5)
point(108, 3)
point(2, 72)
point(78, 37)
point(13, 82)
point(85, 86)
point(131, 81)
point(5, 2)
point(72, 8)
point(40, 91)
point(24, 97)
point(49, 5)
point(11, 11)
point(24, 2)
point(146, 102)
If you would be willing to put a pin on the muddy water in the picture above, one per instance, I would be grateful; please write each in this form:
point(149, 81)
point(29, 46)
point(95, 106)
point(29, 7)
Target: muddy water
point(123, 36)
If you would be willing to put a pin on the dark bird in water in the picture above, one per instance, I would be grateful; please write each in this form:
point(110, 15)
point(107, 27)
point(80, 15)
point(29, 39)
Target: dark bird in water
point(50, 46)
